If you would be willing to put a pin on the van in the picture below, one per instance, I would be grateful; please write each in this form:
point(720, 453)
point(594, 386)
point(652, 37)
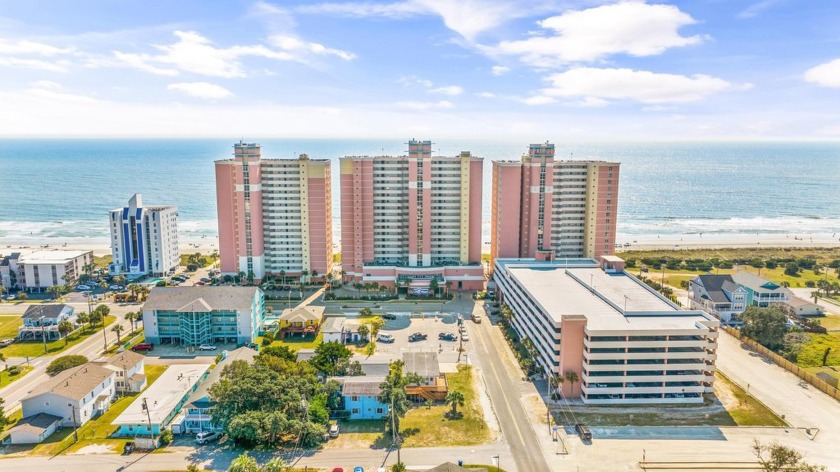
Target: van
point(476, 318)
point(385, 337)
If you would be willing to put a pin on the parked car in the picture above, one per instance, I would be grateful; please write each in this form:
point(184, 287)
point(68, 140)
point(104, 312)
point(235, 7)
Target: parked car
point(11, 296)
point(82, 288)
point(465, 337)
point(359, 469)
point(385, 337)
point(7, 342)
point(334, 430)
point(389, 316)
point(204, 279)
point(116, 287)
point(417, 337)
point(143, 347)
point(207, 347)
point(583, 432)
point(338, 469)
point(206, 436)
point(128, 448)
point(447, 336)
point(476, 318)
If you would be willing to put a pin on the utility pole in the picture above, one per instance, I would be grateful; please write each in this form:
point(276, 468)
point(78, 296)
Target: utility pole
point(43, 328)
point(394, 434)
point(149, 416)
point(75, 425)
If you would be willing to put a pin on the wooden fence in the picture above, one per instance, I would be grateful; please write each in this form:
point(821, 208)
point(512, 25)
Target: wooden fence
point(789, 366)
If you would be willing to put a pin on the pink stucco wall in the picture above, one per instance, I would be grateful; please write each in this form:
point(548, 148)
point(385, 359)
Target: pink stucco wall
point(571, 352)
point(357, 215)
point(606, 211)
point(504, 217)
point(225, 202)
point(476, 191)
point(320, 245)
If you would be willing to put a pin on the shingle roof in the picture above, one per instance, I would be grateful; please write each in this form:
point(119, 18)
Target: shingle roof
point(47, 311)
point(333, 324)
point(200, 298)
point(125, 360)
point(201, 397)
point(36, 423)
point(75, 383)
point(363, 386)
point(303, 313)
point(714, 285)
point(424, 364)
point(755, 282)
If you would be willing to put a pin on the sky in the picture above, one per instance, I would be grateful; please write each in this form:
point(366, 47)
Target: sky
point(541, 69)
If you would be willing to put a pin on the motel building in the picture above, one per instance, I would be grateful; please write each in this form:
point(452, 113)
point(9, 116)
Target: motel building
point(627, 343)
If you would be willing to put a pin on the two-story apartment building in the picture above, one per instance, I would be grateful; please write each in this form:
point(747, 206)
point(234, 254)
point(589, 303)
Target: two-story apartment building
point(128, 368)
point(361, 397)
point(191, 316)
point(40, 270)
point(75, 395)
point(41, 321)
point(719, 296)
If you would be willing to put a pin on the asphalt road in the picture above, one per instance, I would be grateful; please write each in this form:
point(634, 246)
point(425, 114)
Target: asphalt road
point(524, 445)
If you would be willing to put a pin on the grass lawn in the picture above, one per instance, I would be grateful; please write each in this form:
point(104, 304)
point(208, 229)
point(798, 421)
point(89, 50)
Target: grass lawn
point(102, 262)
point(297, 342)
point(828, 321)
point(9, 326)
point(822, 255)
point(95, 431)
point(812, 352)
point(36, 348)
point(743, 408)
point(429, 427)
point(673, 277)
point(6, 378)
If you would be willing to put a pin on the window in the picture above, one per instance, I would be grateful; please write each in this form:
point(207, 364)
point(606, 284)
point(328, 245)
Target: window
point(46, 403)
point(379, 411)
point(354, 411)
point(354, 398)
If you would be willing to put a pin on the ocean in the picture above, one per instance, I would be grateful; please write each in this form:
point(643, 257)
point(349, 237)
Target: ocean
point(59, 190)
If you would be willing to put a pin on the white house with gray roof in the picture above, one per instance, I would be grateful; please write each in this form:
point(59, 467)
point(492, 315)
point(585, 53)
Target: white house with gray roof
point(129, 369)
point(75, 395)
point(717, 295)
point(191, 316)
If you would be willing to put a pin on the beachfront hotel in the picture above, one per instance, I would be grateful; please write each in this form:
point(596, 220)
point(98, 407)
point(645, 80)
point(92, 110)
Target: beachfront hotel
point(40, 270)
point(411, 219)
point(626, 342)
point(546, 208)
point(275, 215)
point(144, 239)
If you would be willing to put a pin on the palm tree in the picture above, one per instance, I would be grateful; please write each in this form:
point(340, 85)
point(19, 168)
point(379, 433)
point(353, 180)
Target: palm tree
point(244, 463)
point(132, 288)
point(433, 286)
point(303, 275)
point(330, 277)
point(83, 318)
point(250, 277)
point(3, 291)
point(55, 291)
point(571, 377)
point(64, 328)
point(117, 329)
point(455, 398)
point(448, 285)
point(143, 291)
point(239, 276)
point(363, 331)
point(283, 274)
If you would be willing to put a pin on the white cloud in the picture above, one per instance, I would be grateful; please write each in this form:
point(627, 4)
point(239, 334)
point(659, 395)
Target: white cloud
point(486, 95)
point(19, 53)
point(39, 64)
point(633, 28)
point(196, 54)
point(201, 90)
point(757, 8)
point(469, 18)
point(500, 70)
point(443, 104)
point(827, 75)
point(451, 90)
point(31, 47)
point(628, 84)
point(539, 100)
point(408, 80)
point(46, 84)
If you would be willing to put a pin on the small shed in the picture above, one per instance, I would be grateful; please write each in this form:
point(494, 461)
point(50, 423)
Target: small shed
point(33, 430)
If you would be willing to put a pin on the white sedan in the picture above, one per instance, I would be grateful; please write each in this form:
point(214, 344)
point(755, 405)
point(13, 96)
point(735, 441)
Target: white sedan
point(207, 347)
point(81, 288)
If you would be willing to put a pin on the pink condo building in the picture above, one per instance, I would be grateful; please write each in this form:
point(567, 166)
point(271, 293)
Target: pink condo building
point(274, 214)
point(411, 219)
point(545, 209)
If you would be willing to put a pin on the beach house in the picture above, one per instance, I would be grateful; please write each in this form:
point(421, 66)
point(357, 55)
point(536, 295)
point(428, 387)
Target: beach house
point(303, 320)
point(75, 395)
point(361, 397)
point(425, 364)
point(717, 295)
point(43, 320)
point(128, 368)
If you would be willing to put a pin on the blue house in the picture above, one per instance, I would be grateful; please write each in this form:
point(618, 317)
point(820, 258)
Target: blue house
point(761, 292)
point(43, 320)
point(361, 397)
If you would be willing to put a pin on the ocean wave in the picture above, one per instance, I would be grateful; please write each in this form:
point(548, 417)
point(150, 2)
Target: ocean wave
point(762, 225)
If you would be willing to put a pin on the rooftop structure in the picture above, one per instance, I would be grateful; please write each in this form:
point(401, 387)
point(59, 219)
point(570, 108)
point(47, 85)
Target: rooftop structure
point(627, 343)
point(275, 215)
point(545, 208)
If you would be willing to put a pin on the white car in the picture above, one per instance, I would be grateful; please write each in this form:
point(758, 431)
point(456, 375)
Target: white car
point(116, 287)
point(207, 347)
point(465, 337)
point(385, 337)
point(11, 296)
point(206, 436)
point(81, 288)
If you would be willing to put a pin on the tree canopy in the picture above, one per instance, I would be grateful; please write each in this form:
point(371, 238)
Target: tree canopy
point(766, 326)
point(65, 362)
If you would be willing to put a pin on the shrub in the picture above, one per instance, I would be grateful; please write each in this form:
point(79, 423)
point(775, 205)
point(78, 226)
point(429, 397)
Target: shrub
point(771, 264)
point(758, 263)
point(65, 362)
point(192, 267)
point(165, 437)
point(267, 339)
point(792, 269)
point(13, 370)
point(810, 283)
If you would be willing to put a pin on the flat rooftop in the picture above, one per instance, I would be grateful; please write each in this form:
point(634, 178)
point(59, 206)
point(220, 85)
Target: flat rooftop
point(609, 301)
point(164, 395)
point(51, 257)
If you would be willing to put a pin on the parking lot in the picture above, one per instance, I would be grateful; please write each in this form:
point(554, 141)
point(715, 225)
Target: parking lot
point(430, 324)
point(174, 351)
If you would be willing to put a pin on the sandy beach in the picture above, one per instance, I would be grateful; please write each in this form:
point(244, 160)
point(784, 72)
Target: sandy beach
point(208, 245)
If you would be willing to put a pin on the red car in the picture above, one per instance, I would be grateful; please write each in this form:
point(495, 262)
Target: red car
point(143, 347)
point(338, 469)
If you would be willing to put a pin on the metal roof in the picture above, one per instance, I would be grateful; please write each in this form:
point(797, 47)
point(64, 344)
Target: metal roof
point(424, 364)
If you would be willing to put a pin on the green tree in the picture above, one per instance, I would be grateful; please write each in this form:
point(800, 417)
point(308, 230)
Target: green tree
point(393, 393)
point(193, 468)
point(250, 277)
point(398, 467)
point(792, 269)
point(276, 464)
point(365, 312)
point(3, 291)
point(55, 291)
point(766, 326)
point(364, 331)
point(455, 398)
point(376, 325)
point(282, 352)
point(775, 457)
point(118, 328)
point(64, 328)
point(244, 463)
point(22, 295)
point(83, 318)
point(65, 362)
point(4, 421)
point(95, 317)
point(571, 377)
point(328, 355)
point(433, 286)
point(166, 437)
point(131, 316)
